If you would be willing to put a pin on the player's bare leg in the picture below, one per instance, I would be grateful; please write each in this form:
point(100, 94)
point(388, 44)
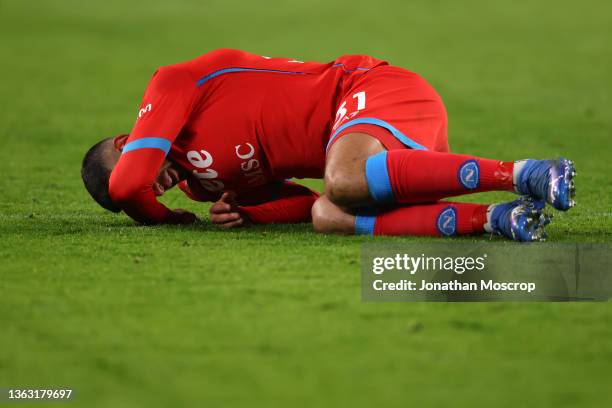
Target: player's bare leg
point(360, 172)
point(345, 177)
point(328, 218)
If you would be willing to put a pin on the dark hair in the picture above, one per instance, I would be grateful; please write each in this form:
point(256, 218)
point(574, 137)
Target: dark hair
point(95, 174)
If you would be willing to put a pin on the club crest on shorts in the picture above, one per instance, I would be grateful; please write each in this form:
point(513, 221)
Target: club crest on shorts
point(469, 174)
point(447, 221)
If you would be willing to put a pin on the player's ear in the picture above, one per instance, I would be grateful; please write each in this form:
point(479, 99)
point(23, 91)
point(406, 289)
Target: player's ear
point(119, 141)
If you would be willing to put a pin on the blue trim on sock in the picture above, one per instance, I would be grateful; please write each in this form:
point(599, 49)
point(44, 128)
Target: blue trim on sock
point(377, 122)
point(364, 224)
point(377, 176)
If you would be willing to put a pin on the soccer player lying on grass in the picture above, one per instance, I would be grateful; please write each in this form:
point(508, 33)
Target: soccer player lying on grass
point(231, 127)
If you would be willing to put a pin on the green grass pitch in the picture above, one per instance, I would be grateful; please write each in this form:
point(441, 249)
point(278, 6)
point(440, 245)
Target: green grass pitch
point(271, 316)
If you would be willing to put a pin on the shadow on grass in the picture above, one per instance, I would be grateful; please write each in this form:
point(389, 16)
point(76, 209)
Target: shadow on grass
point(92, 223)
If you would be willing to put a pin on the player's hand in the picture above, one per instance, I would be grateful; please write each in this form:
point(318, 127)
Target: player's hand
point(224, 213)
point(182, 217)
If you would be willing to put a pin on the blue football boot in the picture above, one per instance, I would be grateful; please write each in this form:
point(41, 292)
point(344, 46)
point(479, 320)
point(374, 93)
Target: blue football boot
point(550, 180)
point(520, 220)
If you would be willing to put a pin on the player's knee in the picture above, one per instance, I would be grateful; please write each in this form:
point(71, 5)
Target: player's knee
point(345, 173)
point(319, 222)
point(344, 189)
point(327, 218)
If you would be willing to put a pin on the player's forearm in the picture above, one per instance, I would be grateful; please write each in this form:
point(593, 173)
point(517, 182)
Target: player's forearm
point(142, 206)
point(287, 210)
point(130, 186)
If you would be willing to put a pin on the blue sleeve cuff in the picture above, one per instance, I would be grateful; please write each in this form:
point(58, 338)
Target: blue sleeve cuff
point(148, 143)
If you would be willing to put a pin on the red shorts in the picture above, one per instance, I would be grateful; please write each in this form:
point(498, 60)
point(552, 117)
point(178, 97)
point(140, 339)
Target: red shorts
point(397, 107)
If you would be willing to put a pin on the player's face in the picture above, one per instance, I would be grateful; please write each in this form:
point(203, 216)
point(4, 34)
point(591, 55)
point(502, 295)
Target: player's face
point(169, 176)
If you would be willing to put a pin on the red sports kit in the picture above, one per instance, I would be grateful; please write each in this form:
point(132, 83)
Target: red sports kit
point(246, 123)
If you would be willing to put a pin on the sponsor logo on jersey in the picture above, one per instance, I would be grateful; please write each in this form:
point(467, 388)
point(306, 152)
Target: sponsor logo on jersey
point(202, 160)
point(469, 174)
point(447, 221)
point(250, 166)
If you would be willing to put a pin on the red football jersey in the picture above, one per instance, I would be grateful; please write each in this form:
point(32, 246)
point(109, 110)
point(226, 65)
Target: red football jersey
point(235, 121)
